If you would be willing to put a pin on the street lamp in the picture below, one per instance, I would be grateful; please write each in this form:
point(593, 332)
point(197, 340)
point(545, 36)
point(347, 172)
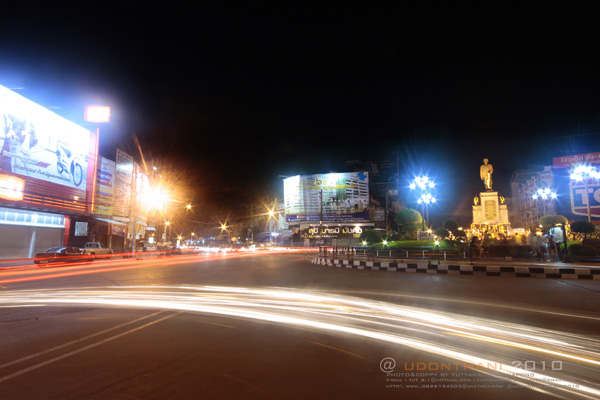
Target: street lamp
point(426, 199)
point(224, 228)
point(544, 194)
point(584, 173)
point(168, 224)
point(424, 184)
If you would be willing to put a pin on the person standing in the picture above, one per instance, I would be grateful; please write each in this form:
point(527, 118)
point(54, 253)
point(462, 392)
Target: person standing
point(552, 248)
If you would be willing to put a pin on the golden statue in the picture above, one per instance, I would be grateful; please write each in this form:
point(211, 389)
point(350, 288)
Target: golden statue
point(476, 200)
point(485, 172)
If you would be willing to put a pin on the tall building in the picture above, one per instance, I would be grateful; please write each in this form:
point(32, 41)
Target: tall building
point(524, 210)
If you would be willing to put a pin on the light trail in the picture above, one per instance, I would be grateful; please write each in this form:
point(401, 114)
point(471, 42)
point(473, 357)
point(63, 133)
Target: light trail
point(60, 270)
point(447, 335)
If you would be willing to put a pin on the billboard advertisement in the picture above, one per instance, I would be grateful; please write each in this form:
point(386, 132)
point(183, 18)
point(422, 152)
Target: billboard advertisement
point(37, 143)
point(105, 186)
point(335, 197)
point(123, 179)
point(572, 201)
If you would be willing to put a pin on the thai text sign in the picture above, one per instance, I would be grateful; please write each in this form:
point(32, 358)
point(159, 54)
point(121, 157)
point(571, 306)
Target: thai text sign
point(577, 159)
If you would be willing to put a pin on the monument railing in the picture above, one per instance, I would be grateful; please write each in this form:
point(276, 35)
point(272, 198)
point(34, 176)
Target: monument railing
point(429, 253)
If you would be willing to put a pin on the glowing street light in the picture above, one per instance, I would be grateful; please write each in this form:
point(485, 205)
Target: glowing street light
point(544, 194)
point(423, 184)
point(583, 173)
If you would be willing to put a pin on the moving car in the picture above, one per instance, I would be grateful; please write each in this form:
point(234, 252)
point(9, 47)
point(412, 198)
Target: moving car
point(61, 254)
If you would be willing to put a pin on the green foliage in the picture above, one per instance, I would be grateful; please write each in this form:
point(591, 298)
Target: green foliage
point(409, 216)
point(450, 224)
point(371, 236)
point(408, 231)
point(460, 234)
point(553, 220)
point(582, 226)
point(442, 233)
point(581, 250)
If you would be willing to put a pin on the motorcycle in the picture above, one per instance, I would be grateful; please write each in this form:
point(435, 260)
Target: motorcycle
point(68, 162)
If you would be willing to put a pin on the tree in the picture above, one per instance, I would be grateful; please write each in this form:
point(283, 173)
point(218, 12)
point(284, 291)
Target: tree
point(370, 236)
point(553, 220)
point(409, 221)
point(442, 233)
point(409, 216)
point(410, 230)
point(583, 226)
point(450, 225)
point(460, 234)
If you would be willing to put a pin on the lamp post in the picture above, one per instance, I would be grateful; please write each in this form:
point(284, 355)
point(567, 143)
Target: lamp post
point(167, 225)
point(584, 173)
point(424, 184)
point(544, 194)
point(426, 199)
point(97, 115)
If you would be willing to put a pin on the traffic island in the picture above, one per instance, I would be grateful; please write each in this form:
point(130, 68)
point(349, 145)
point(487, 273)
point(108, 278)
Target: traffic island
point(455, 268)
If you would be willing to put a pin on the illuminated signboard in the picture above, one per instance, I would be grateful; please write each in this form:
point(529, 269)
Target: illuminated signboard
point(105, 187)
point(98, 114)
point(11, 187)
point(335, 197)
point(123, 181)
point(38, 143)
point(576, 159)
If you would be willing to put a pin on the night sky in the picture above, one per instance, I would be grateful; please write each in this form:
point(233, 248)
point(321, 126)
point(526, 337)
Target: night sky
point(237, 95)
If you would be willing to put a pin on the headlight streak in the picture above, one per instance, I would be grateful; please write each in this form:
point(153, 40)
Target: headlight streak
point(376, 320)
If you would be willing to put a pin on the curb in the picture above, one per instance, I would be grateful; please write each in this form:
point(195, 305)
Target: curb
point(456, 269)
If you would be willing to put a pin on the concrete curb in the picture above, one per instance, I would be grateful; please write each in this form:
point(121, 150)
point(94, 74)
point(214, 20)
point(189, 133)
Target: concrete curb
point(453, 268)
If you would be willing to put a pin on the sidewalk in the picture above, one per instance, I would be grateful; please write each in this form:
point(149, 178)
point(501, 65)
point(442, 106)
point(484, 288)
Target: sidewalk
point(521, 269)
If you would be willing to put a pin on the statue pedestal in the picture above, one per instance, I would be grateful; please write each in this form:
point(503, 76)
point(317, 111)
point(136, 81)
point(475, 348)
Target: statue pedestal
point(490, 210)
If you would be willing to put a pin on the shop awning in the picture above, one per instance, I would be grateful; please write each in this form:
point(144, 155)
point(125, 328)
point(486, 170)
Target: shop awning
point(111, 221)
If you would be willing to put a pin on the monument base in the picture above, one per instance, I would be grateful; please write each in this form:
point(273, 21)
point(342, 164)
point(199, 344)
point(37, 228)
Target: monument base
point(490, 213)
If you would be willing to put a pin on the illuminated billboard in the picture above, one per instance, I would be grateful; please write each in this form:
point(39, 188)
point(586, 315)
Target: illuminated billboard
point(38, 143)
point(105, 187)
point(335, 197)
point(123, 180)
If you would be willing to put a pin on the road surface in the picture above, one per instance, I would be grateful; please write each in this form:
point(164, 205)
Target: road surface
point(275, 326)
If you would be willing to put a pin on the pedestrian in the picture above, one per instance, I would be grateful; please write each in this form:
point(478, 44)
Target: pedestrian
point(475, 247)
point(552, 248)
point(517, 239)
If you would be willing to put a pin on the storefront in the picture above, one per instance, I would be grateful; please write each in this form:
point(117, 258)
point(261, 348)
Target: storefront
point(25, 233)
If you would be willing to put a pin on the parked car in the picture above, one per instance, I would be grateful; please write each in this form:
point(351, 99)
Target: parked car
point(61, 254)
point(95, 248)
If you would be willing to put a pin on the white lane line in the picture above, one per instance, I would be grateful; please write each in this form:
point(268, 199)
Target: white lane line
point(79, 340)
point(52, 360)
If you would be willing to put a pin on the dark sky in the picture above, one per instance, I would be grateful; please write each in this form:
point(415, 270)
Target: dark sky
point(238, 95)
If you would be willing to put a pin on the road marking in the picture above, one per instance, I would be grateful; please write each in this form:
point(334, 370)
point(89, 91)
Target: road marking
point(77, 341)
point(335, 348)
point(214, 323)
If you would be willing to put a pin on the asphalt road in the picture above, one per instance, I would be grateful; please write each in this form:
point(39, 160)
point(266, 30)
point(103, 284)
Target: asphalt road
point(275, 326)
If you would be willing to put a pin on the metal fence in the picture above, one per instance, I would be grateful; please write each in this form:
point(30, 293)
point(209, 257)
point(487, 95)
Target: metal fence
point(351, 253)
